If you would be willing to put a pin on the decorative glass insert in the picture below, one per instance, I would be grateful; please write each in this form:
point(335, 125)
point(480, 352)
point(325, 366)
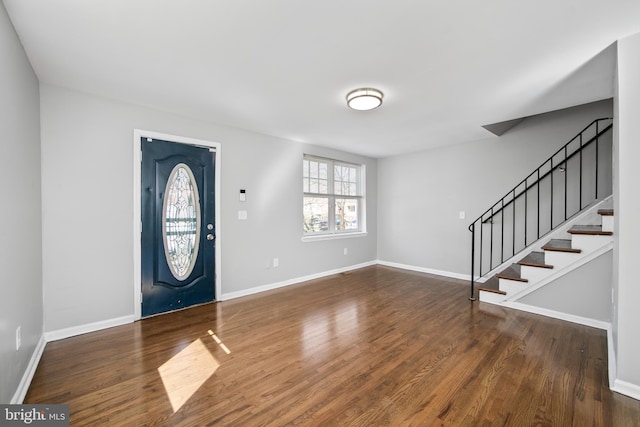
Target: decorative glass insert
point(181, 221)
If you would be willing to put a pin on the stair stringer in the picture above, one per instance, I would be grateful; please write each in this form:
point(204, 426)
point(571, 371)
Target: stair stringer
point(588, 216)
point(582, 260)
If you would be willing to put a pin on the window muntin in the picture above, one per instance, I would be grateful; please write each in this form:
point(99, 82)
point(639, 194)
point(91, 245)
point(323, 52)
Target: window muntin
point(332, 196)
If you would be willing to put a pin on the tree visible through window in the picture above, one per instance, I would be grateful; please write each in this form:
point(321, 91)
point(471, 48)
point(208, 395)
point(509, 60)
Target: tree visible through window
point(333, 196)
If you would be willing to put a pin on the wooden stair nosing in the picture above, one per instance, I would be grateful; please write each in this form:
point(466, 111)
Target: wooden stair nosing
point(589, 230)
point(533, 264)
point(517, 279)
point(494, 291)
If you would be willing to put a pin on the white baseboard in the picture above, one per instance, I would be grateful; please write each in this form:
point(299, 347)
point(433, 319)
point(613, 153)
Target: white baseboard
point(272, 286)
point(90, 327)
point(628, 389)
point(431, 271)
point(25, 382)
point(594, 323)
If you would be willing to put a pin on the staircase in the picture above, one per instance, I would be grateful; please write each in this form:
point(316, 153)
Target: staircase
point(563, 251)
point(556, 219)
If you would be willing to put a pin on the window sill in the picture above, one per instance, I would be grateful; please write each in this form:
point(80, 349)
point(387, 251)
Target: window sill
point(333, 236)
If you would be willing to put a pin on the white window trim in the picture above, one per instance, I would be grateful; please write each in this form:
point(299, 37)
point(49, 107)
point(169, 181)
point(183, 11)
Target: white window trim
point(330, 235)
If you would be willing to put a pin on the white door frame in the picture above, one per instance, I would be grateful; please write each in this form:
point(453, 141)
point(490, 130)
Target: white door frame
point(137, 209)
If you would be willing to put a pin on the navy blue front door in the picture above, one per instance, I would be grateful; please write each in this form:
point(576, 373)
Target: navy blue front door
point(178, 226)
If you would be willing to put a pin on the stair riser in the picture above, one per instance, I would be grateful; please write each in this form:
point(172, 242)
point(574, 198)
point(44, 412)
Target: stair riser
point(511, 286)
point(491, 297)
point(607, 223)
point(560, 259)
point(533, 274)
point(589, 243)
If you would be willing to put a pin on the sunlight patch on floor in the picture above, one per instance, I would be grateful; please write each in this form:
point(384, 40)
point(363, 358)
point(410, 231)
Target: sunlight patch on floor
point(184, 373)
point(219, 342)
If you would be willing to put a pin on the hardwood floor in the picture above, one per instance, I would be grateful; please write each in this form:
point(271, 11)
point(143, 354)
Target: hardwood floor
point(374, 347)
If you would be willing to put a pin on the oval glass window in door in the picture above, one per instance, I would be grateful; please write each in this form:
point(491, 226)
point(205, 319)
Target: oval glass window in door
point(181, 221)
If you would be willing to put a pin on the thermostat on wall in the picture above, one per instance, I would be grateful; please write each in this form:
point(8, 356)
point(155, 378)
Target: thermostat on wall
point(243, 195)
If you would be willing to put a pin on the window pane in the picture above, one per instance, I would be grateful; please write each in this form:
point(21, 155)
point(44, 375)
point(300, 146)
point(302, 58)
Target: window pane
point(337, 179)
point(346, 180)
point(313, 187)
point(323, 187)
point(347, 214)
point(316, 214)
point(324, 171)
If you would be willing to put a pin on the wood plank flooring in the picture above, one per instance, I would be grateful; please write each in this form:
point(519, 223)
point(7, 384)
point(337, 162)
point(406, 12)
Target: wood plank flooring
point(374, 347)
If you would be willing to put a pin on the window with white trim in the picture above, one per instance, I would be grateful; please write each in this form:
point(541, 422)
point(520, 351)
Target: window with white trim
point(333, 196)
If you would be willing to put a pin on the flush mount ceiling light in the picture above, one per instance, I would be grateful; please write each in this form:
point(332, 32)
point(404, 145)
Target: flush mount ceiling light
point(364, 99)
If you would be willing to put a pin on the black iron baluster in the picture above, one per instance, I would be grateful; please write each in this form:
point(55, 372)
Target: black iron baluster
point(538, 204)
point(491, 245)
point(580, 186)
point(597, 136)
point(481, 243)
point(502, 232)
point(513, 246)
point(473, 257)
point(551, 194)
point(566, 172)
point(526, 211)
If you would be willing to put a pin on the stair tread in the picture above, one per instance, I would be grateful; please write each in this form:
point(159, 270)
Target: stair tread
point(605, 212)
point(560, 245)
point(511, 273)
point(590, 230)
point(534, 259)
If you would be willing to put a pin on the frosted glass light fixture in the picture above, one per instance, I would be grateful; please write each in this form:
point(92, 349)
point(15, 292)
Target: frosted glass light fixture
point(364, 99)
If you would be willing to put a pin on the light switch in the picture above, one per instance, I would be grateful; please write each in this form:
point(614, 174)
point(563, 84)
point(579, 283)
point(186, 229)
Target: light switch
point(242, 215)
point(243, 195)
point(463, 215)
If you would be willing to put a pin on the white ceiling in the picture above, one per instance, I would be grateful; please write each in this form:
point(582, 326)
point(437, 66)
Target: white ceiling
point(284, 67)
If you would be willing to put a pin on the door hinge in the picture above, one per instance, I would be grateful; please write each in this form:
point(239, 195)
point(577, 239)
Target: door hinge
point(141, 224)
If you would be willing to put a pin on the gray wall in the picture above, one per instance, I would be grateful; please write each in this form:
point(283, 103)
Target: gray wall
point(420, 195)
point(20, 248)
point(584, 292)
point(626, 316)
point(87, 193)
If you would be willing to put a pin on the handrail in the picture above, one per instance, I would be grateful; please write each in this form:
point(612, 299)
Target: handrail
point(547, 173)
point(523, 188)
